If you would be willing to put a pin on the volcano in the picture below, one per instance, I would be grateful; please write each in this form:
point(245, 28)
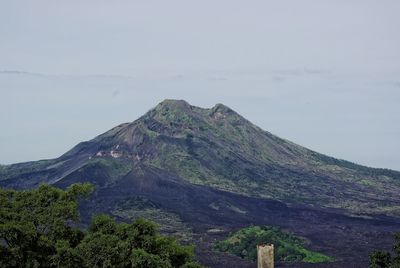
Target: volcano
point(202, 173)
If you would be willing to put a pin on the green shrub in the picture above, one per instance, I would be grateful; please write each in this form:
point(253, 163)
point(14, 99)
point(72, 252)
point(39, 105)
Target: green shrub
point(287, 247)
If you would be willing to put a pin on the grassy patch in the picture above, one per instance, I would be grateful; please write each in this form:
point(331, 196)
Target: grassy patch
point(15, 170)
point(288, 248)
point(114, 167)
point(169, 223)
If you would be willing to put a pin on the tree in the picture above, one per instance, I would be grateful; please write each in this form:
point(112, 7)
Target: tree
point(32, 222)
point(36, 230)
point(383, 259)
point(379, 259)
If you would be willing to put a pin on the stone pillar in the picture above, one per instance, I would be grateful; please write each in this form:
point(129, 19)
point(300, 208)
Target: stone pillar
point(265, 256)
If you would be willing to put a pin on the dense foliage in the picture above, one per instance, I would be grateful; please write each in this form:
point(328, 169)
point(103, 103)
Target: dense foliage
point(288, 248)
point(383, 259)
point(37, 230)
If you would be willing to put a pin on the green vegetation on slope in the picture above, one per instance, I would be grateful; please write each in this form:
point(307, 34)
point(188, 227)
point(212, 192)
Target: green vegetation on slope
point(139, 207)
point(9, 171)
point(36, 231)
point(115, 168)
point(288, 248)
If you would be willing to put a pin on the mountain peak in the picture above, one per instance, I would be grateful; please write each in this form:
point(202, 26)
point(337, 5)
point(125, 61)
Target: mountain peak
point(173, 103)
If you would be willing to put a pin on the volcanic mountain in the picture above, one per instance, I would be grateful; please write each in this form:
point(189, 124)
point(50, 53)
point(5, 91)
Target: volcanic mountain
point(201, 173)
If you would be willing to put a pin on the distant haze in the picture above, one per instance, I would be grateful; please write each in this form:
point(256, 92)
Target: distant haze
point(324, 74)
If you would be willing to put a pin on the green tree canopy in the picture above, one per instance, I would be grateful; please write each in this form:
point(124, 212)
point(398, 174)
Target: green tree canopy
point(37, 230)
point(383, 259)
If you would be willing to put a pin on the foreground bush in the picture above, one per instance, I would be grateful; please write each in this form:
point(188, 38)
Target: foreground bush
point(36, 230)
point(288, 248)
point(383, 259)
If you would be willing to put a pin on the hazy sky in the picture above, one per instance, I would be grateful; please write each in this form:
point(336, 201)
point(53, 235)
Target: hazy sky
point(324, 74)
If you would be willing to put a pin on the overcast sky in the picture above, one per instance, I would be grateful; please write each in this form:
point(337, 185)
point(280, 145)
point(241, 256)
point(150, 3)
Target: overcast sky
point(324, 74)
